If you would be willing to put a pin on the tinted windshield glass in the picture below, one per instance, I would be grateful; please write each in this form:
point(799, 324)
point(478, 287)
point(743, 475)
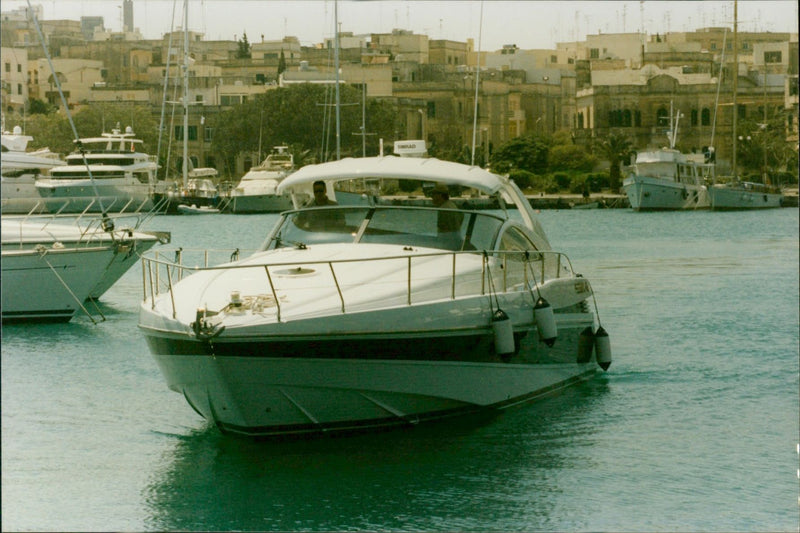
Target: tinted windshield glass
point(319, 225)
point(413, 226)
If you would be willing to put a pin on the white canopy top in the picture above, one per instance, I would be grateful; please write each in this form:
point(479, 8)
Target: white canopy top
point(394, 167)
point(425, 169)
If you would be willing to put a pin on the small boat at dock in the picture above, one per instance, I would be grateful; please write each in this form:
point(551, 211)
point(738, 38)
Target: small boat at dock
point(197, 210)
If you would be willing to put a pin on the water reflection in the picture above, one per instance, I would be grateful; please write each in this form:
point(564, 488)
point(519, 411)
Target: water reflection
point(444, 476)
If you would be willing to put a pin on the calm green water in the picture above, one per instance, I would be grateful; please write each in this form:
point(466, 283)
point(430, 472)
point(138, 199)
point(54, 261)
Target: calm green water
point(694, 428)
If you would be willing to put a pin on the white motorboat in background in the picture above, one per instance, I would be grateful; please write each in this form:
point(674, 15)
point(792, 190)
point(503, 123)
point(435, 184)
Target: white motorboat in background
point(107, 175)
point(667, 179)
point(257, 190)
point(200, 191)
point(355, 317)
point(50, 267)
point(194, 209)
point(20, 169)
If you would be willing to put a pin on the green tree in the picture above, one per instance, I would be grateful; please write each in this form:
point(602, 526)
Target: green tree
point(570, 157)
point(615, 148)
point(54, 131)
point(36, 106)
point(763, 149)
point(243, 50)
point(51, 131)
point(302, 116)
point(528, 152)
point(282, 63)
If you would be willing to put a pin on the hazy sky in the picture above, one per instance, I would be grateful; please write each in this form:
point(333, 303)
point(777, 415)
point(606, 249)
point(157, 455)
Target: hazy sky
point(526, 23)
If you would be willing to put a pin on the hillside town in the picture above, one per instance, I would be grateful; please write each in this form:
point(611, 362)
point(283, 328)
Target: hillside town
point(623, 82)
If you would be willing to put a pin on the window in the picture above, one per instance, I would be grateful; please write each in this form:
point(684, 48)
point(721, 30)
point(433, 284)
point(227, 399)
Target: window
point(19, 68)
point(514, 240)
point(178, 133)
point(230, 100)
point(662, 117)
point(594, 53)
point(772, 57)
point(208, 134)
point(198, 98)
point(192, 133)
point(705, 117)
point(19, 88)
point(8, 67)
point(694, 117)
point(431, 109)
point(627, 119)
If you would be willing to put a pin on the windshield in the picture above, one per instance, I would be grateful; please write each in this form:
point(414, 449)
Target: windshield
point(407, 226)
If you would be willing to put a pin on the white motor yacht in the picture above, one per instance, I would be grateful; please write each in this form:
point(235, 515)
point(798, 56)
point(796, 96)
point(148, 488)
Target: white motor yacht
point(358, 317)
point(667, 179)
point(257, 190)
point(49, 267)
point(20, 170)
point(107, 174)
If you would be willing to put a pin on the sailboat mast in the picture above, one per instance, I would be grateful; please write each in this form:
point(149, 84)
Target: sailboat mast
point(765, 175)
point(185, 165)
point(477, 85)
point(671, 136)
point(735, 81)
point(336, 68)
point(719, 85)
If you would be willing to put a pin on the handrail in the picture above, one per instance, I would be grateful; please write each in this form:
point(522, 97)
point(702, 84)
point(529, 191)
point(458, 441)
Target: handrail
point(558, 266)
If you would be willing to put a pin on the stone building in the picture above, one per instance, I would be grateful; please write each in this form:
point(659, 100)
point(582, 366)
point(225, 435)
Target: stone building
point(76, 76)
point(625, 82)
point(14, 90)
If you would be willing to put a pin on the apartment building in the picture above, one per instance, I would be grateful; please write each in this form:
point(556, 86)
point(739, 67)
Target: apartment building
point(14, 91)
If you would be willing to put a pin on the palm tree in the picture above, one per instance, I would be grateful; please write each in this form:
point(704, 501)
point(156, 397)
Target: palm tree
point(616, 147)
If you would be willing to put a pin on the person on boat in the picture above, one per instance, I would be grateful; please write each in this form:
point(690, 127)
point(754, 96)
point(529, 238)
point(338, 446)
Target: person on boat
point(320, 196)
point(448, 223)
point(323, 219)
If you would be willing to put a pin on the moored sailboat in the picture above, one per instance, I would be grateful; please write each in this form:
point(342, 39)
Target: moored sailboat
point(733, 193)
